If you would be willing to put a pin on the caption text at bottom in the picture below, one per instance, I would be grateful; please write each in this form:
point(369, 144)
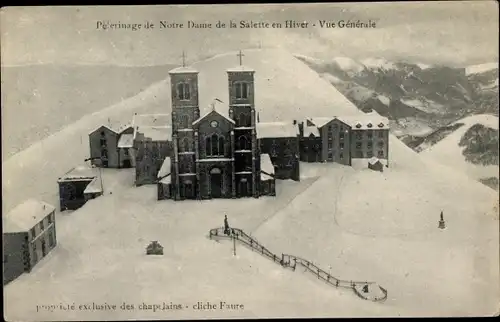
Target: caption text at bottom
point(164, 306)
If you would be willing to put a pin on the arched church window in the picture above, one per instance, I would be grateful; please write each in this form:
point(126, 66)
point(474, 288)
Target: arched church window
point(208, 145)
point(221, 145)
point(241, 90)
point(183, 91)
point(185, 145)
point(215, 171)
point(215, 148)
point(243, 143)
point(244, 119)
point(184, 121)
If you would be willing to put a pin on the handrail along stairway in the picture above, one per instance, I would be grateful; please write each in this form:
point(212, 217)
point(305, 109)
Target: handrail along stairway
point(285, 260)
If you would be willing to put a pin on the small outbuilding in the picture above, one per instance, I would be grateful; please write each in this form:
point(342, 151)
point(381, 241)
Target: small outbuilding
point(77, 186)
point(375, 164)
point(154, 248)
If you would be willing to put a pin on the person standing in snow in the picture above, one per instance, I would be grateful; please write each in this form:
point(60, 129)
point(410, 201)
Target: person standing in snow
point(226, 225)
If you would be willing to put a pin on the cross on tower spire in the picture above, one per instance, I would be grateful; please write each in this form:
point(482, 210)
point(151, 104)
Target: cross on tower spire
point(183, 59)
point(240, 55)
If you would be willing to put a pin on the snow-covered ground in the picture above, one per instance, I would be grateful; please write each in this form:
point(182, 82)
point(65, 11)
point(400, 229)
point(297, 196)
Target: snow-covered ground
point(449, 152)
point(410, 126)
point(357, 223)
point(384, 99)
point(378, 63)
point(425, 105)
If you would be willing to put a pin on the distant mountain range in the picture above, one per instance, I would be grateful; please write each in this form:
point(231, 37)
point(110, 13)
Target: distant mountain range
point(417, 98)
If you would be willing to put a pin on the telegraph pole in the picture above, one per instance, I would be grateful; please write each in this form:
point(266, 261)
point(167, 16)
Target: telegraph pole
point(234, 245)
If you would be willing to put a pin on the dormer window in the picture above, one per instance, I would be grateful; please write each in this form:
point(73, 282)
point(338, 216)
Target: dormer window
point(183, 91)
point(381, 124)
point(241, 90)
point(370, 125)
point(358, 125)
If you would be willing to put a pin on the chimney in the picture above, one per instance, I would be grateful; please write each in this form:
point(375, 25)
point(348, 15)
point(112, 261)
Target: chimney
point(294, 122)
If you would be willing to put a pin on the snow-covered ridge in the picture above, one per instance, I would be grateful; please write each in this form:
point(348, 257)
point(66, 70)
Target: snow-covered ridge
point(480, 68)
point(378, 63)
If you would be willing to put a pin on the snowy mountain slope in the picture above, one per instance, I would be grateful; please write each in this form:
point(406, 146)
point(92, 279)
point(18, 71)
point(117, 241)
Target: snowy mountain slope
point(33, 95)
point(110, 257)
point(460, 149)
point(390, 234)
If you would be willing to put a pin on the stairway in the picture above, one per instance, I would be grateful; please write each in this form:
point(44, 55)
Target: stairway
point(363, 289)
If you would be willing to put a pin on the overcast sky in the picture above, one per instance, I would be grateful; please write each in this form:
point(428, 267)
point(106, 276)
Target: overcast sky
point(453, 33)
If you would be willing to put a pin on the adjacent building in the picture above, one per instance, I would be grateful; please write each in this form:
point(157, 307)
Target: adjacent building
point(152, 142)
point(29, 234)
point(79, 185)
point(112, 148)
point(343, 138)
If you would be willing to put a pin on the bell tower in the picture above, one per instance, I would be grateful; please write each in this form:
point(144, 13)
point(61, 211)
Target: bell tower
point(185, 110)
point(242, 111)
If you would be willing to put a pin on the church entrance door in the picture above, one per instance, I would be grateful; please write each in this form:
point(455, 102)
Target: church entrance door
point(126, 163)
point(216, 183)
point(188, 190)
point(244, 189)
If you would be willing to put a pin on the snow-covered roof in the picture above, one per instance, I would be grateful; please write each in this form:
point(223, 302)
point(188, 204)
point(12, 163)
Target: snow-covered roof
point(123, 127)
point(79, 173)
point(276, 130)
point(356, 122)
point(183, 70)
point(308, 130)
point(126, 141)
point(240, 68)
point(320, 121)
point(117, 128)
point(215, 107)
point(94, 186)
point(155, 133)
point(104, 126)
point(26, 215)
point(368, 121)
point(265, 164)
point(373, 160)
point(165, 168)
point(166, 180)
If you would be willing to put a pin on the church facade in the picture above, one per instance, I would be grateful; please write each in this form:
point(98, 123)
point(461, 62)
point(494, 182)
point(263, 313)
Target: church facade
point(220, 154)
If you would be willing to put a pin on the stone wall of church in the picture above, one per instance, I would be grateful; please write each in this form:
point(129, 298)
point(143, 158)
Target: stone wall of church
point(149, 159)
point(284, 154)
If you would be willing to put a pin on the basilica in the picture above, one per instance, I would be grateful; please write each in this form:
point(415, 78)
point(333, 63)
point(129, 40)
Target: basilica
point(226, 152)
